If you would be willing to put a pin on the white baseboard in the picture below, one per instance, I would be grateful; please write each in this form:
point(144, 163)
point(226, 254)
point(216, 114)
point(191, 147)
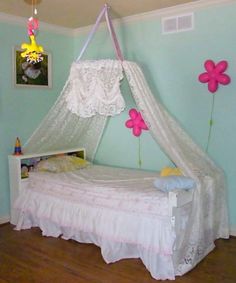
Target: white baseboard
point(233, 231)
point(4, 219)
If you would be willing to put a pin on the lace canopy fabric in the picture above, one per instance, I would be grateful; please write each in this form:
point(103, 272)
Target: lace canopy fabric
point(209, 218)
point(62, 129)
point(93, 87)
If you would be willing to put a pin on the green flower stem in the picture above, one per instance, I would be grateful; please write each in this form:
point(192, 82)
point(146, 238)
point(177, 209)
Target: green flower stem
point(210, 122)
point(139, 153)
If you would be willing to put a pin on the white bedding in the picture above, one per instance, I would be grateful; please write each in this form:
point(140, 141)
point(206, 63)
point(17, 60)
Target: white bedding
point(117, 189)
point(116, 209)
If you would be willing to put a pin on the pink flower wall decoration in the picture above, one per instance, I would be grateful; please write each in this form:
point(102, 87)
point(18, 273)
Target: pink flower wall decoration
point(136, 122)
point(214, 75)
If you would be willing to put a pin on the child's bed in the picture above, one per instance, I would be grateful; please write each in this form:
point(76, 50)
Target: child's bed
point(117, 209)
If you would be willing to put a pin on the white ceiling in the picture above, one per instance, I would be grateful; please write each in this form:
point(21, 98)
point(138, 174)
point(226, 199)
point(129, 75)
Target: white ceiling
point(80, 13)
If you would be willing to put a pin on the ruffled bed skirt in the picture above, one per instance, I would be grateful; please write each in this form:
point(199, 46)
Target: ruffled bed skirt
point(119, 234)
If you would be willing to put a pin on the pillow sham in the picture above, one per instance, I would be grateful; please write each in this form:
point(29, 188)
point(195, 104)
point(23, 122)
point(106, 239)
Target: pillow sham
point(62, 163)
point(170, 183)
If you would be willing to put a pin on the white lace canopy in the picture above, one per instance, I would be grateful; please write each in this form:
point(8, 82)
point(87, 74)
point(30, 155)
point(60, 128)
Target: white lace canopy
point(95, 88)
point(92, 88)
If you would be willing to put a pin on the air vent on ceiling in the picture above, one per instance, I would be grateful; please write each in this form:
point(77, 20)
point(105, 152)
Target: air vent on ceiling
point(177, 23)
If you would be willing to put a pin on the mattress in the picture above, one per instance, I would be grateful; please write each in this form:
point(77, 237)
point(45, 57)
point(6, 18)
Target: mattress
point(107, 187)
point(117, 209)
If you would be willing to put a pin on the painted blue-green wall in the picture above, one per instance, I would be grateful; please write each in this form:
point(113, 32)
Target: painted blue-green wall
point(171, 64)
point(21, 109)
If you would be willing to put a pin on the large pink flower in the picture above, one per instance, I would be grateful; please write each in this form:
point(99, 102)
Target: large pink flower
point(214, 75)
point(136, 122)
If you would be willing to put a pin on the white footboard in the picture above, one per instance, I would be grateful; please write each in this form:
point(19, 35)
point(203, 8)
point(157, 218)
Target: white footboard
point(179, 208)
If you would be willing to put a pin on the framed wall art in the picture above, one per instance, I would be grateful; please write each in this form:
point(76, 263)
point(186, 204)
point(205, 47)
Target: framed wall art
point(26, 74)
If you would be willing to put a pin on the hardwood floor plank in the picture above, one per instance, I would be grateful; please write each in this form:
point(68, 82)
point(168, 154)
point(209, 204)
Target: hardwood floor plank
point(28, 257)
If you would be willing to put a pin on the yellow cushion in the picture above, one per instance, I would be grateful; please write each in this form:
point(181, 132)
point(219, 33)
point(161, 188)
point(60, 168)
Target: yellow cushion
point(168, 171)
point(62, 163)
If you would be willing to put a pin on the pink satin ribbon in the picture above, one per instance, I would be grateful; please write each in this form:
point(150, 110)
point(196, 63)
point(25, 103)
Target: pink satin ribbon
point(111, 31)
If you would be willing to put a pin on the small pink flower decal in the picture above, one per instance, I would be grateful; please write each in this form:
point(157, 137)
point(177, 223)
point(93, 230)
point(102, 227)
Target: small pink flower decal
point(214, 75)
point(136, 122)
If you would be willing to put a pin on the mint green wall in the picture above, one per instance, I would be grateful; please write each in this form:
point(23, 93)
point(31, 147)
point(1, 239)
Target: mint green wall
point(171, 64)
point(21, 109)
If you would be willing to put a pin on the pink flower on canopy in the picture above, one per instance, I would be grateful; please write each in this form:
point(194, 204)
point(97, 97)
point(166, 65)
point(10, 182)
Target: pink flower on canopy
point(214, 75)
point(136, 122)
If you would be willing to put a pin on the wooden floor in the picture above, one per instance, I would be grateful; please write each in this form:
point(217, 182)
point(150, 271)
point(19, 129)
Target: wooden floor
point(28, 257)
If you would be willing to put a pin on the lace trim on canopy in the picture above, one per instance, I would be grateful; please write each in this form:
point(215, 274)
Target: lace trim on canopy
point(95, 88)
